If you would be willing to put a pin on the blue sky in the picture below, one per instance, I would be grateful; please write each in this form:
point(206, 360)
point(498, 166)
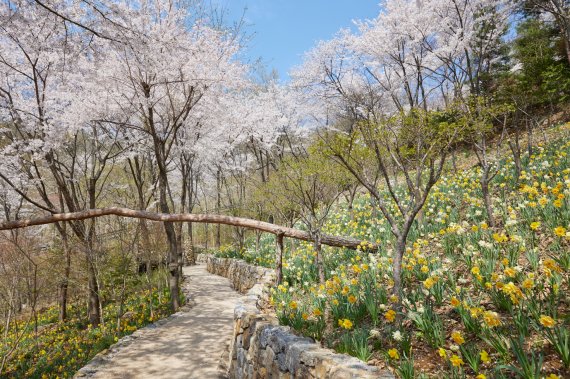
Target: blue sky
point(284, 29)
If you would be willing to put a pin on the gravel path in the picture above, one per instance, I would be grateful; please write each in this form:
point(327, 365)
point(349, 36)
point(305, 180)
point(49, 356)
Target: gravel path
point(188, 345)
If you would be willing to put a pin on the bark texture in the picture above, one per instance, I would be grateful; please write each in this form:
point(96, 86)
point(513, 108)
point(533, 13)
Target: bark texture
point(350, 243)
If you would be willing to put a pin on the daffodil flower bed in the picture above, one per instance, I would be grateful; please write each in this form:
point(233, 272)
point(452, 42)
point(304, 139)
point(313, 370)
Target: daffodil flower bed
point(58, 350)
point(477, 302)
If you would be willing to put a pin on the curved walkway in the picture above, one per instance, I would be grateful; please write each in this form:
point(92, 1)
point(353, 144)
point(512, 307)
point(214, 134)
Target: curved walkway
point(186, 346)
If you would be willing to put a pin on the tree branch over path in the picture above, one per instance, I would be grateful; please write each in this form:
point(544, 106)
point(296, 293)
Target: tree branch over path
point(328, 240)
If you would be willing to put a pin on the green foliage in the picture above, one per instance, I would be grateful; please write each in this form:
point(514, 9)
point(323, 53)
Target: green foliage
point(406, 369)
point(529, 365)
point(355, 343)
point(543, 73)
point(559, 338)
point(471, 355)
point(431, 327)
point(478, 116)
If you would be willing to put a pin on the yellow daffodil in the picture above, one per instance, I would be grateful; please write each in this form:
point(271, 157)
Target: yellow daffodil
point(528, 283)
point(456, 361)
point(390, 316)
point(429, 282)
point(393, 353)
point(491, 319)
point(560, 231)
point(547, 321)
point(510, 272)
point(500, 238)
point(457, 338)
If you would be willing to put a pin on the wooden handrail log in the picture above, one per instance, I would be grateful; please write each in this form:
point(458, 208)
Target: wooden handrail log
point(335, 241)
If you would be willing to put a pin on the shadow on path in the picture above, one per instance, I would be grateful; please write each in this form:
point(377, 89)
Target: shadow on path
point(188, 346)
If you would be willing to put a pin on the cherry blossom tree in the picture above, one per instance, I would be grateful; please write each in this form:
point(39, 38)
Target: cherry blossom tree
point(378, 92)
point(159, 82)
point(53, 156)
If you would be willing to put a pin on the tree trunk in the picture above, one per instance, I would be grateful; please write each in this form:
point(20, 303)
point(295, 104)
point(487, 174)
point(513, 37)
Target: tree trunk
point(93, 310)
point(190, 253)
point(173, 266)
point(529, 137)
point(145, 233)
point(11, 309)
point(218, 207)
point(279, 258)
point(401, 238)
point(180, 247)
point(420, 215)
point(63, 286)
point(137, 172)
point(122, 304)
point(397, 266)
point(319, 258)
point(454, 160)
point(147, 255)
point(257, 240)
point(515, 149)
point(565, 32)
point(173, 251)
point(487, 197)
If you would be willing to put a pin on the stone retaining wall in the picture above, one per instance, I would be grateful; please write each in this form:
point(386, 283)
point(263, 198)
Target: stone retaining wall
point(202, 258)
point(261, 348)
point(243, 276)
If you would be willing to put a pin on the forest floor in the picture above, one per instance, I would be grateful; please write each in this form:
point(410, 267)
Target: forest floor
point(188, 345)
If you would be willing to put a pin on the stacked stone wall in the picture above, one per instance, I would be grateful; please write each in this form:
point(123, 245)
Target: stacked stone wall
point(261, 348)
